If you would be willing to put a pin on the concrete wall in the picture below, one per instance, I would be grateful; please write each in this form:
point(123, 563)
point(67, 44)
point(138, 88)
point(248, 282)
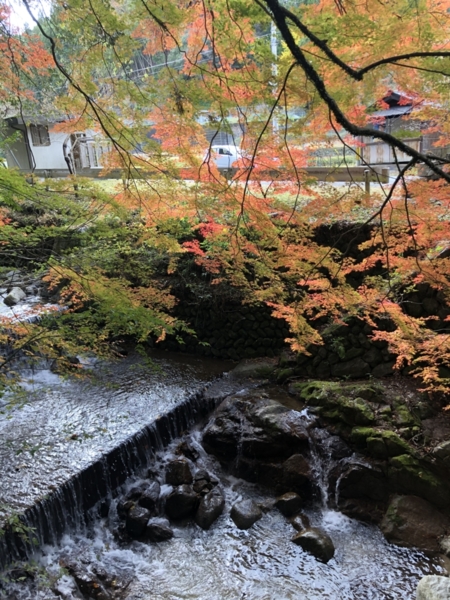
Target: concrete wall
point(49, 157)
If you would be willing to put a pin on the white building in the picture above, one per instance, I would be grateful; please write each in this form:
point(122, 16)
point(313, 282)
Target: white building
point(39, 147)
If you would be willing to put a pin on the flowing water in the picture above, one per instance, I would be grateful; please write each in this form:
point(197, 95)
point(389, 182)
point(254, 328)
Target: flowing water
point(71, 425)
point(62, 426)
point(225, 563)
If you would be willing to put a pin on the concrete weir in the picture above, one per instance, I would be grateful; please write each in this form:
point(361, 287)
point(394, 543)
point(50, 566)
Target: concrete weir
point(65, 507)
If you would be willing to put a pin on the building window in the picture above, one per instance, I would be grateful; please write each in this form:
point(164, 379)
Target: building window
point(40, 135)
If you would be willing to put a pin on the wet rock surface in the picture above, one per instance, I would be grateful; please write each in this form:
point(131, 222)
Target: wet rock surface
point(413, 522)
point(136, 521)
point(353, 474)
point(245, 514)
point(289, 504)
point(300, 522)
point(182, 502)
point(178, 472)
point(316, 542)
point(14, 296)
point(150, 496)
point(94, 581)
point(210, 508)
point(262, 441)
point(367, 439)
point(158, 530)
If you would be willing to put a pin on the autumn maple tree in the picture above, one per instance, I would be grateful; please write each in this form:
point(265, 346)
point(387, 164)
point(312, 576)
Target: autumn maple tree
point(283, 79)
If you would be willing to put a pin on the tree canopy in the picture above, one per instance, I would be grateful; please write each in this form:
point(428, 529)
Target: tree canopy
point(286, 81)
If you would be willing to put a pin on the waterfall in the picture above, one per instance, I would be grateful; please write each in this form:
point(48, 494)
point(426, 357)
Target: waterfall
point(66, 508)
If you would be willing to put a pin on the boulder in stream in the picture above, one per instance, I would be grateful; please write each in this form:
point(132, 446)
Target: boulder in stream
point(316, 542)
point(297, 475)
point(123, 506)
point(178, 472)
point(300, 522)
point(136, 521)
point(255, 427)
point(95, 582)
point(15, 295)
point(413, 522)
point(245, 513)
point(181, 502)
point(149, 497)
point(210, 508)
point(203, 482)
point(158, 530)
point(289, 504)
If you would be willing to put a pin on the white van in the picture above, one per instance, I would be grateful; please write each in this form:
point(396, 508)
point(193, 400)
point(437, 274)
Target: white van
point(223, 155)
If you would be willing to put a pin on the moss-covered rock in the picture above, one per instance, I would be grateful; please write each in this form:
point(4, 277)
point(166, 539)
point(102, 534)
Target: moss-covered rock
point(380, 443)
point(283, 375)
point(412, 522)
point(318, 393)
point(403, 416)
point(386, 444)
point(359, 435)
point(347, 403)
point(355, 411)
point(410, 475)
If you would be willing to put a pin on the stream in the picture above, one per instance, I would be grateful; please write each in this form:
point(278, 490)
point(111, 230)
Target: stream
point(66, 425)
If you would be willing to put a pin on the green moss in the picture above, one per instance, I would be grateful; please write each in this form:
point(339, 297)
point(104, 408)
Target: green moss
point(316, 393)
point(380, 443)
point(356, 411)
point(359, 435)
point(376, 447)
point(412, 476)
point(282, 375)
point(395, 445)
point(385, 413)
point(403, 417)
point(413, 465)
point(368, 391)
point(393, 516)
point(330, 413)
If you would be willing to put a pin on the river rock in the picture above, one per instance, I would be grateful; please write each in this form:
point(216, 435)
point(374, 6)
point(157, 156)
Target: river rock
point(297, 475)
point(123, 506)
point(95, 582)
point(178, 472)
point(187, 450)
point(289, 504)
point(409, 475)
point(257, 428)
point(433, 587)
point(135, 492)
point(203, 482)
point(181, 502)
point(356, 480)
point(300, 522)
point(316, 542)
point(15, 295)
point(149, 497)
point(245, 513)
point(158, 530)
point(413, 522)
point(210, 508)
point(136, 521)
point(442, 451)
